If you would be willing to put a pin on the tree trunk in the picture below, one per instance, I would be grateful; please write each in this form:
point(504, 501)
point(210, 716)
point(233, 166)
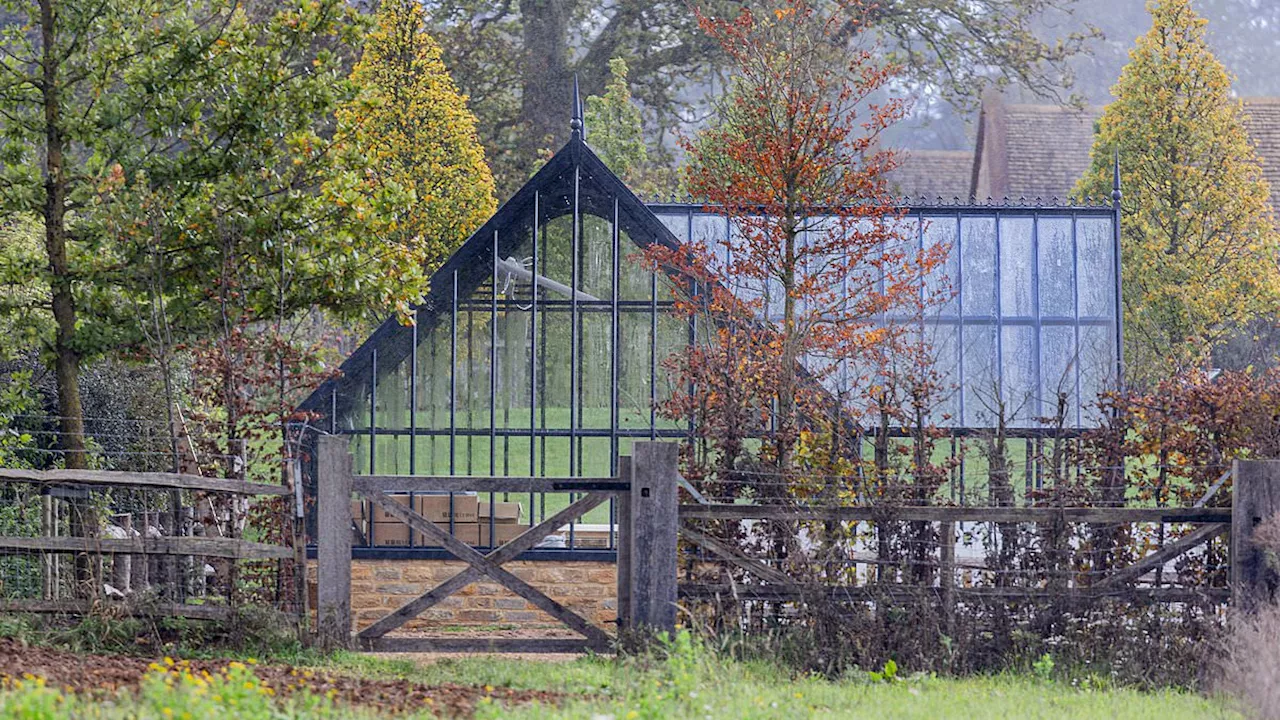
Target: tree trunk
point(66, 358)
point(545, 102)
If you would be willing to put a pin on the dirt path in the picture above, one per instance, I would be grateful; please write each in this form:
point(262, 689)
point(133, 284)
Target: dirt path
point(105, 673)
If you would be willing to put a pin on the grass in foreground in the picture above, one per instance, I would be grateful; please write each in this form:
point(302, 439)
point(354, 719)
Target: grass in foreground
point(679, 680)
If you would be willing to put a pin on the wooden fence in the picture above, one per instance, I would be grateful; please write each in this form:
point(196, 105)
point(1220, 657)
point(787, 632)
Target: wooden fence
point(150, 567)
point(652, 525)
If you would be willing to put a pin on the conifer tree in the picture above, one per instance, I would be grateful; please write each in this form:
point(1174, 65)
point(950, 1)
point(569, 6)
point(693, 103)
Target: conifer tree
point(1199, 247)
point(410, 143)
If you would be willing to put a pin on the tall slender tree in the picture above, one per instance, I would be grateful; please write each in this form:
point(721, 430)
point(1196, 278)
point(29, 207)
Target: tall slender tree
point(409, 138)
point(1199, 246)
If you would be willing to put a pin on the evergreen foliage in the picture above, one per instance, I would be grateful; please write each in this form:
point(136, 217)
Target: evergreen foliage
point(1199, 247)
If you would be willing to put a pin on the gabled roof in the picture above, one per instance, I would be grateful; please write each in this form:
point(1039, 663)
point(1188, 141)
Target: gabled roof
point(597, 190)
point(1040, 151)
point(931, 174)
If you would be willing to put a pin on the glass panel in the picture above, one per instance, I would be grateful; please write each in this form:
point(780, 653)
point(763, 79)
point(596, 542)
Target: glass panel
point(1015, 267)
point(554, 255)
point(634, 370)
point(633, 275)
point(941, 231)
point(945, 350)
point(1097, 280)
point(677, 224)
point(1097, 368)
point(1057, 267)
point(1019, 384)
point(1058, 369)
point(595, 396)
point(554, 369)
point(595, 258)
point(978, 290)
point(981, 375)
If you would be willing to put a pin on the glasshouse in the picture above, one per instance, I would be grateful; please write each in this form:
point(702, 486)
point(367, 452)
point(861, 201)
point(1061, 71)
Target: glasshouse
point(540, 348)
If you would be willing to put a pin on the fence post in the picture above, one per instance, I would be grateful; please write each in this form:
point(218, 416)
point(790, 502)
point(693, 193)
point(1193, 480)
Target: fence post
point(654, 507)
point(623, 509)
point(1255, 498)
point(333, 551)
point(947, 575)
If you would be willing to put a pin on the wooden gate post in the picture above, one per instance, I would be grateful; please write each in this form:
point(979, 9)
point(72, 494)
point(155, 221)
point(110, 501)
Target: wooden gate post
point(654, 525)
point(622, 506)
point(1255, 498)
point(333, 551)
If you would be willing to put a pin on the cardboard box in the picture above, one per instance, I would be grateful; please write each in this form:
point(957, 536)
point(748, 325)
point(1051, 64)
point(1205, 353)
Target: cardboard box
point(503, 532)
point(503, 512)
point(436, 508)
point(382, 516)
point(468, 533)
point(587, 536)
point(390, 534)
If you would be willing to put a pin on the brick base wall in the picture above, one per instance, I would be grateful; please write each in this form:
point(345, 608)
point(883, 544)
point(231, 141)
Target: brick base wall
point(378, 587)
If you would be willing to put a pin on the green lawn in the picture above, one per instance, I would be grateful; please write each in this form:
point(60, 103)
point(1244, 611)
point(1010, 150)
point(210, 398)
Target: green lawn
point(691, 683)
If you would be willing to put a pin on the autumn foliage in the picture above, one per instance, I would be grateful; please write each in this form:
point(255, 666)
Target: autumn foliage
point(791, 300)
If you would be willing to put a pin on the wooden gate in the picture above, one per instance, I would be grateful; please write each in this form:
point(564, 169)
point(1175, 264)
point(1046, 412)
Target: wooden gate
point(646, 492)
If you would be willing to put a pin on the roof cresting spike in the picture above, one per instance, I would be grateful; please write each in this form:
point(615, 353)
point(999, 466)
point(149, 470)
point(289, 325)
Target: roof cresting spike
point(576, 124)
point(1115, 178)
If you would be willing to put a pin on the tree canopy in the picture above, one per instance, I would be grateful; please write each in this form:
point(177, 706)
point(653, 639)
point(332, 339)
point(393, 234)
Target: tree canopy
point(408, 150)
point(1199, 247)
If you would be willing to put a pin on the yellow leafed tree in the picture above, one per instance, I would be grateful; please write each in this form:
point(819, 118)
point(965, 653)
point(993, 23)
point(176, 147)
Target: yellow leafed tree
point(415, 171)
point(1199, 246)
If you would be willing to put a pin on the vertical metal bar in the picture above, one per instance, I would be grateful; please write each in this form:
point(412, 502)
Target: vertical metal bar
point(413, 401)
point(1038, 333)
point(373, 437)
point(493, 382)
point(958, 249)
point(1075, 314)
point(493, 366)
point(1116, 196)
point(453, 378)
point(453, 391)
point(333, 409)
point(653, 355)
point(373, 408)
point(999, 320)
point(413, 415)
point(533, 355)
point(614, 349)
point(573, 328)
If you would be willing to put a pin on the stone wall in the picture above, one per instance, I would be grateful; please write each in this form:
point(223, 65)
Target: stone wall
point(378, 587)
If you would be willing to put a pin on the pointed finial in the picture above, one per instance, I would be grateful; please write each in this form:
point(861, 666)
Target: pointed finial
point(576, 123)
point(1115, 180)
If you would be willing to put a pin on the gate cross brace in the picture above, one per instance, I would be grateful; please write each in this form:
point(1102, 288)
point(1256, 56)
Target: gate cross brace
point(487, 565)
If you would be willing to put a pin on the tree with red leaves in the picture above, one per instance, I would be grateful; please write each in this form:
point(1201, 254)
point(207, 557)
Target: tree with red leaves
point(795, 297)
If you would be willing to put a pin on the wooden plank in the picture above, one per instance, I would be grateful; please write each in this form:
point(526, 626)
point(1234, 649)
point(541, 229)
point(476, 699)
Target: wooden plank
point(623, 567)
point(211, 547)
point(895, 592)
point(735, 556)
point(654, 535)
point(333, 551)
point(1128, 574)
point(525, 541)
point(477, 645)
point(175, 481)
point(957, 514)
point(85, 607)
point(1255, 499)
point(471, 556)
point(947, 574)
point(392, 484)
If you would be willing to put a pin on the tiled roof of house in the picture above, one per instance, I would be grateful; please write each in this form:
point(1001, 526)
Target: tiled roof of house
point(1048, 149)
point(1262, 118)
point(931, 174)
point(1048, 146)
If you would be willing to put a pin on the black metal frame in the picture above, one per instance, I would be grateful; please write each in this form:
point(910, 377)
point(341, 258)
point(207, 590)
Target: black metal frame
point(575, 183)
